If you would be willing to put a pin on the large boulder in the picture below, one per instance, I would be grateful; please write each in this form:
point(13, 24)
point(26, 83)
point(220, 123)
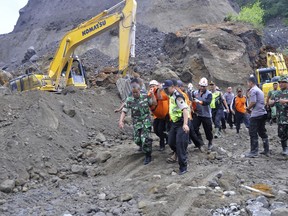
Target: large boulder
point(164, 73)
point(220, 52)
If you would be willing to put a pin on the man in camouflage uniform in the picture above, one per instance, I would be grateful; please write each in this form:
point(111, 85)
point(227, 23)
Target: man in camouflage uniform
point(139, 103)
point(272, 110)
point(280, 100)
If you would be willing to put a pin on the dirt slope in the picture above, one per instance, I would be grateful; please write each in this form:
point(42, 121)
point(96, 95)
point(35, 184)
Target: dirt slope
point(35, 130)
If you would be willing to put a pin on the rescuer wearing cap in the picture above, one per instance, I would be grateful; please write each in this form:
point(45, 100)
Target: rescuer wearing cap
point(179, 131)
point(160, 111)
point(203, 114)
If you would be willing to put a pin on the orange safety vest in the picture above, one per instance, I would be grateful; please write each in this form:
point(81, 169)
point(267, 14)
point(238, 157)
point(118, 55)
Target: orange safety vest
point(161, 110)
point(240, 104)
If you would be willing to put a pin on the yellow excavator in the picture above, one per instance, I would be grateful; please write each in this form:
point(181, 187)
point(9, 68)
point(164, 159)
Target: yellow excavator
point(66, 69)
point(276, 67)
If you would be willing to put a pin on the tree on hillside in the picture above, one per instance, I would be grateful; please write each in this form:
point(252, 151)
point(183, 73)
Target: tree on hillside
point(272, 8)
point(251, 14)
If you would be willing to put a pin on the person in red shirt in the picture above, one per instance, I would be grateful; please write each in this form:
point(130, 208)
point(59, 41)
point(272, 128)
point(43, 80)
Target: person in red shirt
point(160, 112)
point(238, 108)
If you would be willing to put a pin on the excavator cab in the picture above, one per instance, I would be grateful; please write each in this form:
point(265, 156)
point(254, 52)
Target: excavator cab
point(265, 75)
point(275, 67)
point(77, 75)
point(265, 79)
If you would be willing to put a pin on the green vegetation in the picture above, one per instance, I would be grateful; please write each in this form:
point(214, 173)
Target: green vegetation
point(272, 8)
point(253, 14)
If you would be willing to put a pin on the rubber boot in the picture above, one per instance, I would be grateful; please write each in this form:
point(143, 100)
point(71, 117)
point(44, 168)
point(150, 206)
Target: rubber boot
point(266, 147)
point(217, 133)
point(148, 158)
point(254, 149)
point(285, 148)
point(162, 144)
point(210, 145)
point(140, 149)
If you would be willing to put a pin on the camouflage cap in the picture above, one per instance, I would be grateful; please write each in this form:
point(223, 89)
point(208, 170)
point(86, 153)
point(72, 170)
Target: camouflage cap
point(283, 79)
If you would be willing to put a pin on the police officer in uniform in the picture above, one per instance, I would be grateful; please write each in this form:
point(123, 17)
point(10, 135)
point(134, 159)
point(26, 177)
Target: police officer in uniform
point(179, 132)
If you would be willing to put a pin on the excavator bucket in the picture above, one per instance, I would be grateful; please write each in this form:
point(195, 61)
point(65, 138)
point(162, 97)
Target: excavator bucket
point(124, 87)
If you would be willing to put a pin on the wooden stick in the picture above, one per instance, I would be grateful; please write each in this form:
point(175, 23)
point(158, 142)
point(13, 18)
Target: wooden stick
point(258, 191)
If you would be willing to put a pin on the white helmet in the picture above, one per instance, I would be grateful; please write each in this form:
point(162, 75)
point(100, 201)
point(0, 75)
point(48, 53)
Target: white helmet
point(153, 82)
point(203, 82)
point(190, 86)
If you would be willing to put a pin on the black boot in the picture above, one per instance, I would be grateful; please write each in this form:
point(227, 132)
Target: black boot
point(266, 147)
point(162, 144)
point(210, 145)
point(285, 148)
point(254, 149)
point(148, 158)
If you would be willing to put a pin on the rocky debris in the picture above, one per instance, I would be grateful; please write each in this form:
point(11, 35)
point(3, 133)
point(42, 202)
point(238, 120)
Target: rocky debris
point(100, 137)
point(229, 193)
point(2, 201)
point(211, 51)
point(142, 204)
point(279, 212)
point(77, 169)
point(260, 206)
point(34, 58)
point(103, 79)
point(69, 90)
point(276, 205)
point(5, 77)
point(5, 91)
point(213, 183)
point(274, 34)
point(232, 210)
point(102, 196)
point(263, 200)
point(29, 54)
point(7, 186)
point(52, 171)
point(126, 197)
point(256, 208)
point(67, 213)
point(163, 73)
point(103, 156)
point(70, 111)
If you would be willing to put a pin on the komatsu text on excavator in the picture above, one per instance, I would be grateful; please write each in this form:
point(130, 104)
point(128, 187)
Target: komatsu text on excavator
point(66, 69)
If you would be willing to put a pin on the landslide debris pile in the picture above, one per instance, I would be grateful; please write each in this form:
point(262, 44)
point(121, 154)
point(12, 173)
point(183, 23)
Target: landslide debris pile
point(219, 52)
point(42, 24)
point(41, 132)
point(63, 154)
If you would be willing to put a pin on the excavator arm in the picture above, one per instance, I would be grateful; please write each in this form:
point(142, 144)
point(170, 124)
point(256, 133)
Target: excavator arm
point(90, 29)
point(60, 68)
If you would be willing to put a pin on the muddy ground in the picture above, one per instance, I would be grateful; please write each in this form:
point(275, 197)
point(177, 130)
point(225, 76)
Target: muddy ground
point(66, 155)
